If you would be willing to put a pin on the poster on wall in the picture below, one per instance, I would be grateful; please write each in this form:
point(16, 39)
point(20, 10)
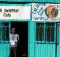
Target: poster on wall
point(45, 12)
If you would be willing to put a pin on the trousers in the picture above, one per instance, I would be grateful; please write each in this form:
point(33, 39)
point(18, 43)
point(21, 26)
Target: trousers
point(14, 50)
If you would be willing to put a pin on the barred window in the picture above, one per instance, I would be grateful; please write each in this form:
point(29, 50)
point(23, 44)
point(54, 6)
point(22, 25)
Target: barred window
point(40, 32)
point(45, 32)
point(5, 31)
point(50, 32)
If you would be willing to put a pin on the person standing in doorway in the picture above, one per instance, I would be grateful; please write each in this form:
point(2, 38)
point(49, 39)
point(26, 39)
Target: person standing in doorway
point(14, 38)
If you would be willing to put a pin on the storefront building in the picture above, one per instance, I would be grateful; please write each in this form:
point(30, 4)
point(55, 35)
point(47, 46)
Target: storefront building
point(43, 27)
point(13, 13)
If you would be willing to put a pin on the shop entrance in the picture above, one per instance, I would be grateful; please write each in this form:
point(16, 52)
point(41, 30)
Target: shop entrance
point(22, 30)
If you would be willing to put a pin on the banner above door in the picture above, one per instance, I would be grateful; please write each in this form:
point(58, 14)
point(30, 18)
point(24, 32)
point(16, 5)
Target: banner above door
point(15, 12)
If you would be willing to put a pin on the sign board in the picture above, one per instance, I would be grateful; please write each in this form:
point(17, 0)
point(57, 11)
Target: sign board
point(45, 12)
point(15, 12)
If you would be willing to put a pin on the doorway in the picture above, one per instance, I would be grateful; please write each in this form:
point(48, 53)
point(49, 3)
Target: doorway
point(22, 30)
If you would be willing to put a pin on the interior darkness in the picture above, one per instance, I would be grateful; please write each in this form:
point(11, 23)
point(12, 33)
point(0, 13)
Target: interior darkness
point(22, 30)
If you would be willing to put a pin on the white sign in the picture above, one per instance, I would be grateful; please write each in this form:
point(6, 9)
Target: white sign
point(15, 12)
point(45, 12)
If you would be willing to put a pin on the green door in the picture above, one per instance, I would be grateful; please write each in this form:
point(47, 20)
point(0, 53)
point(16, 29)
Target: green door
point(46, 40)
point(4, 39)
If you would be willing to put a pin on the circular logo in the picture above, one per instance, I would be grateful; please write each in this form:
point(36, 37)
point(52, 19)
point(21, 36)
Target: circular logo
point(51, 11)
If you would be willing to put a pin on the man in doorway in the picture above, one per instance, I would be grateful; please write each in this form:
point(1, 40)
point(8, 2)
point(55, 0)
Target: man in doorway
point(14, 38)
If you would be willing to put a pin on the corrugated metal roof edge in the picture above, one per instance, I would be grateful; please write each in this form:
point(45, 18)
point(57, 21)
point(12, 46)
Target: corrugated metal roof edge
point(8, 2)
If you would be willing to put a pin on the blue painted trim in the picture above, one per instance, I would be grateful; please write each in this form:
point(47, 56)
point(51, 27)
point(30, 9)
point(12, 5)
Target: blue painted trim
point(34, 37)
point(30, 1)
point(28, 39)
point(15, 20)
point(20, 4)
